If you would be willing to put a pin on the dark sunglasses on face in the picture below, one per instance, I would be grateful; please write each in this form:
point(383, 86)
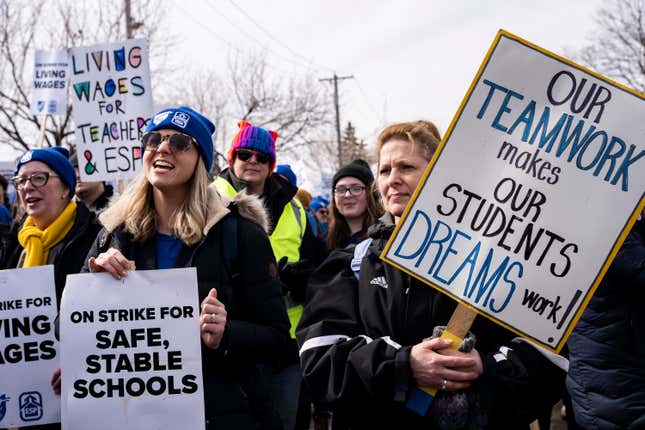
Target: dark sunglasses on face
point(177, 142)
point(354, 190)
point(38, 179)
point(246, 154)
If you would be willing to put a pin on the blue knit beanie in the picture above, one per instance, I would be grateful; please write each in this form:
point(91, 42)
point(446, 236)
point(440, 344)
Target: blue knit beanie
point(56, 158)
point(285, 170)
point(318, 202)
point(190, 122)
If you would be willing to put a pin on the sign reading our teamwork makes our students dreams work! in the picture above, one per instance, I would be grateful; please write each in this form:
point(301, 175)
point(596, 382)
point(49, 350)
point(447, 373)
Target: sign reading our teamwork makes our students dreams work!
point(536, 184)
point(49, 92)
point(28, 348)
point(131, 351)
point(112, 101)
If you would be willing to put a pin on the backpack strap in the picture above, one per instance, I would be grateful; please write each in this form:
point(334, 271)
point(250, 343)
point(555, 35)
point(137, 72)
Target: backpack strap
point(359, 252)
point(229, 244)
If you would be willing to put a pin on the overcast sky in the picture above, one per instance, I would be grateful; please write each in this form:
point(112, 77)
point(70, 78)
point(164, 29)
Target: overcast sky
point(410, 59)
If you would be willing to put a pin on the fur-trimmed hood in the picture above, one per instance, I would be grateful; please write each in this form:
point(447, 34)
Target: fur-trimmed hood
point(248, 206)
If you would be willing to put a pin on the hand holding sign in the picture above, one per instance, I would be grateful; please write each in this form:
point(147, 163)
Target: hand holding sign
point(111, 261)
point(435, 364)
point(212, 320)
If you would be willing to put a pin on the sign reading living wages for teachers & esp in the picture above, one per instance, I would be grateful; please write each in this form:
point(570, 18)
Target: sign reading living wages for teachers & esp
point(28, 347)
point(536, 184)
point(131, 351)
point(49, 90)
point(112, 102)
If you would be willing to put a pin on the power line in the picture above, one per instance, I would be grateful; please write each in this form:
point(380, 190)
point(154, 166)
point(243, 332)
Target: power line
point(367, 100)
point(275, 39)
point(226, 42)
point(266, 47)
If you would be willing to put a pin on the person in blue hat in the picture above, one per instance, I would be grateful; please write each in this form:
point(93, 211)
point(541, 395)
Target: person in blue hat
point(169, 217)
point(57, 229)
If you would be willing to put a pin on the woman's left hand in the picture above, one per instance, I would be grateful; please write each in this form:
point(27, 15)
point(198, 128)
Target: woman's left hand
point(212, 320)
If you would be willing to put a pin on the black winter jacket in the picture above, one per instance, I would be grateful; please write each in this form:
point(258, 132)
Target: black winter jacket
point(606, 379)
point(71, 252)
point(257, 329)
point(355, 339)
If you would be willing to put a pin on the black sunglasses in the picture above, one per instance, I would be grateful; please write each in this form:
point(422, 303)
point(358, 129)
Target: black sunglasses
point(246, 154)
point(177, 142)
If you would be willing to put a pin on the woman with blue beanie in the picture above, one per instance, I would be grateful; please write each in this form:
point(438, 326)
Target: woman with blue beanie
point(57, 229)
point(170, 218)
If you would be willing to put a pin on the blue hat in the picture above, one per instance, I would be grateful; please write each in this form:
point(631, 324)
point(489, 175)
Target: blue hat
point(285, 170)
point(190, 122)
point(318, 202)
point(56, 158)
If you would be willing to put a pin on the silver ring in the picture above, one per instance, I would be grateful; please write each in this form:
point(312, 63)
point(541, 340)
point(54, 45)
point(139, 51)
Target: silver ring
point(212, 317)
point(444, 384)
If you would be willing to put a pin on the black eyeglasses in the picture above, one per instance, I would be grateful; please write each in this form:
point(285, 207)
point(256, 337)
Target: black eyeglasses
point(354, 190)
point(246, 154)
point(177, 142)
point(38, 179)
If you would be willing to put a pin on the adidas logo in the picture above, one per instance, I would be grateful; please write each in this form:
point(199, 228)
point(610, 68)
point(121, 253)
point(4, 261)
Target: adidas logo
point(380, 281)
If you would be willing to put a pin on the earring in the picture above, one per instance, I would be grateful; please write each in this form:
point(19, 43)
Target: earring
point(63, 196)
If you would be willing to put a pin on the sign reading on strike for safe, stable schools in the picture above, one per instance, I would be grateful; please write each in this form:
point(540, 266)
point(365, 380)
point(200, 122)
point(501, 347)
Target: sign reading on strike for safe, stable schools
point(49, 91)
point(537, 182)
point(28, 348)
point(112, 101)
point(131, 351)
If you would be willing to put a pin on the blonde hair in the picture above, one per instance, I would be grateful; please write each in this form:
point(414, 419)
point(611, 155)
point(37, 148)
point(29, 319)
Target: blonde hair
point(135, 210)
point(424, 133)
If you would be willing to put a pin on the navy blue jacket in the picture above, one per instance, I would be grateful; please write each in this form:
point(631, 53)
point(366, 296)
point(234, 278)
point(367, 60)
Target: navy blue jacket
point(606, 379)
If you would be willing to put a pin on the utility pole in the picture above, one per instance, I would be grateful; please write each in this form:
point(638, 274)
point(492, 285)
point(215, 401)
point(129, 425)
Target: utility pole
point(335, 80)
point(128, 19)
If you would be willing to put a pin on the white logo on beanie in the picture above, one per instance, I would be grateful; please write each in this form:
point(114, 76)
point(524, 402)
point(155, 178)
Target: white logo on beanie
point(160, 117)
point(180, 119)
point(26, 158)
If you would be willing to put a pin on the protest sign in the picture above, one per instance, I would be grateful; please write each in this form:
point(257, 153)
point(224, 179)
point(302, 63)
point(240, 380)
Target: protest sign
point(28, 348)
point(49, 89)
point(131, 351)
point(537, 182)
point(112, 101)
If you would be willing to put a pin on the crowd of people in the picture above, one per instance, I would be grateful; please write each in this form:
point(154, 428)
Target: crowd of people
point(321, 328)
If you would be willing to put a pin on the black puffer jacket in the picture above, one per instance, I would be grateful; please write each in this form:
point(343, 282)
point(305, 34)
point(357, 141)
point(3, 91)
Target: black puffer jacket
point(70, 253)
point(257, 329)
point(606, 379)
point(355, 340)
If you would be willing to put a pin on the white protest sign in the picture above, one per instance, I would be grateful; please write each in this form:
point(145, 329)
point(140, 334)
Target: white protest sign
point(537, 182)
point(49, 88)
point(131, 351)
point(112, 101)
point(28, 348)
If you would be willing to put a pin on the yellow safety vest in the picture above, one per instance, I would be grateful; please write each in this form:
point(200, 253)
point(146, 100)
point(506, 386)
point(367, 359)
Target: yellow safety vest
point(288, 232)
point(285, 239)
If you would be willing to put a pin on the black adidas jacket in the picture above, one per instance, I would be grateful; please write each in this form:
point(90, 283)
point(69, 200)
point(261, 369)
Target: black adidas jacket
point(355, 339)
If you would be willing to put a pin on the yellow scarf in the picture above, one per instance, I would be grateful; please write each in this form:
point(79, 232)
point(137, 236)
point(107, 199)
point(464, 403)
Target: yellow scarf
point(37, 242)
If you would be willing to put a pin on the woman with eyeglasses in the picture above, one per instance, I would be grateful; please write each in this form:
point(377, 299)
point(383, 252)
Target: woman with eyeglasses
point(354, 207)
point(57, 229)
point(369, 334)
point(170, 218)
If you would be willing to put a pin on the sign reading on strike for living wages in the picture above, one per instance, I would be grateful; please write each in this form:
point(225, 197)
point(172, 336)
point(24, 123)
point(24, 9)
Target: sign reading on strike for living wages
point(536, 184)
point(112, 101)
point(49, 90)
point(131, 351)
point(28, 348)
